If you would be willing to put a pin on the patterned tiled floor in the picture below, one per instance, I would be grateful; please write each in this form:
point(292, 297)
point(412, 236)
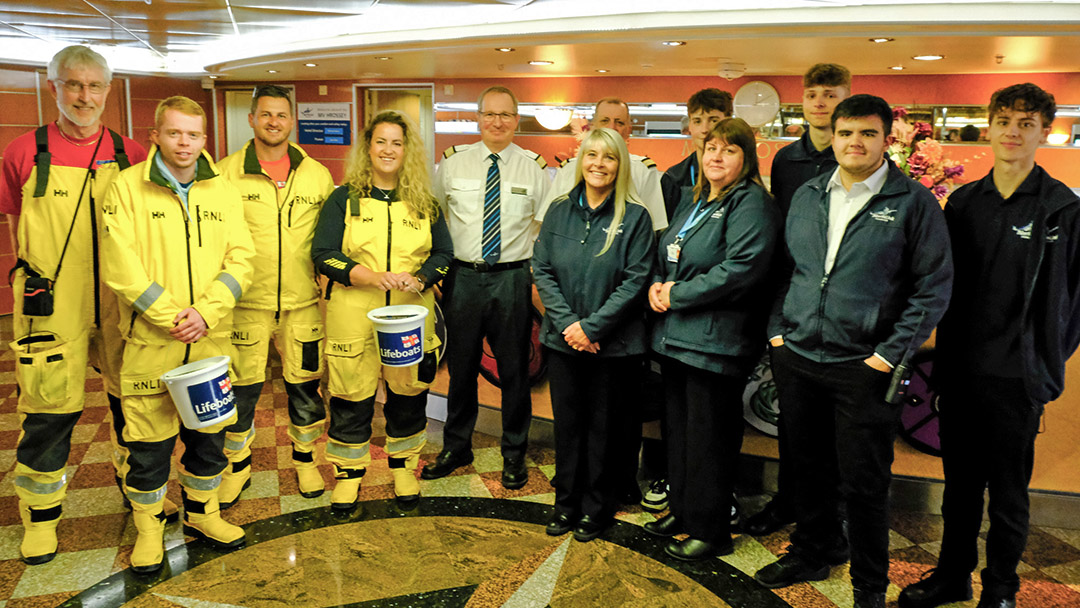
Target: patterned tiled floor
point(96, 534)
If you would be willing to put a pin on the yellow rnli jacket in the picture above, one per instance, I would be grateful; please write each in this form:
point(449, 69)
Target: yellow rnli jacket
point(281, 222)
point(160, 258)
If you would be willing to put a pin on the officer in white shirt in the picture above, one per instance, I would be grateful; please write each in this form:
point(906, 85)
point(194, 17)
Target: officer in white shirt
point(491, 192)
point(613, 113)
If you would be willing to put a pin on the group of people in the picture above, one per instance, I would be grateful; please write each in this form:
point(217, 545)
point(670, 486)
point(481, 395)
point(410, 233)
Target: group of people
point(842, 271)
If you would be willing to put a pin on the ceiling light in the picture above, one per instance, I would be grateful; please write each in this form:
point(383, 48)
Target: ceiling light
point(673, 43)
point(880, 40)
point(1057, 139)
point(505, 49)
point(310, 65)
point(896, 67)
point(928, 57)
point(602, 71)
point(213, 76)
point(271, 71)
point(541, 62)
point(554, 118)
point(382, 58)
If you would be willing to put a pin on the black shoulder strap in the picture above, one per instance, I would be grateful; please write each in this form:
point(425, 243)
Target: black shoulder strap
point(354, 203)
point(119, 151)
point(42, 160)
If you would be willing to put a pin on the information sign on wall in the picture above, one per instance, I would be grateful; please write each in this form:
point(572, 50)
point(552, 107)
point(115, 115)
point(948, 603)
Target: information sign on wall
point(324, 123)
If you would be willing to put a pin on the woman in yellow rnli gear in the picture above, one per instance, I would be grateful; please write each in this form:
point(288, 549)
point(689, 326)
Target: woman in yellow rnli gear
point(178, 255)
point(382, 239)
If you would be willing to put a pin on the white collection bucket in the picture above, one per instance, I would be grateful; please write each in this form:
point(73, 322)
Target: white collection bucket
point(202, 391)
point(399, 331)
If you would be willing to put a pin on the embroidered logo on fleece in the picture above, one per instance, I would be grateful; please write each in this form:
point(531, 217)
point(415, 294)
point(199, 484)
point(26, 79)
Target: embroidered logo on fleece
point(1023, 232)
point(885, 215)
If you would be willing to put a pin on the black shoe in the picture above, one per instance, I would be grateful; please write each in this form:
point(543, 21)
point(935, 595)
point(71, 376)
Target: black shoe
point(560, 524)
point(589, 527)
point(692, 549)
point(869, 599)
point(936, 588)
point(446, 462)
point(663, 527)
point(770, 519)
point(791, 568)
point(993, 600)
point(515, 475)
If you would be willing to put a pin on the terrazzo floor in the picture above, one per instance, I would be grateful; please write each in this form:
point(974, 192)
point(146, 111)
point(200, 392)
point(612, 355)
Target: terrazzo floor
point(470, 542)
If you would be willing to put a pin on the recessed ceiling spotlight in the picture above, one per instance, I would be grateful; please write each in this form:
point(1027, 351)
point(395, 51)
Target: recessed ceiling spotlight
point(271, 71)
point(881, 40)
point(310, 65)
point(382, 58)
point(673, 43)
point(928, 57)
point(541, 62)
point(212, 77)
point(896, 67)
point(505, 49)
point(602, 71)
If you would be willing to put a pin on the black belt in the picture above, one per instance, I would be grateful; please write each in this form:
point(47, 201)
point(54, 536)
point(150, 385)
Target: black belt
point(485, 267)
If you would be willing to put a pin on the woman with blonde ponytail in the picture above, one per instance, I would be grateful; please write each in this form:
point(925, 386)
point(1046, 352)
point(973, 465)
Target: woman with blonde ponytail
point(592, 264)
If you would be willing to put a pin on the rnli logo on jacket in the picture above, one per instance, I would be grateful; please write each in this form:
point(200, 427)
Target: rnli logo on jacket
point(1024, 232)
point(885, 215)
point(212, 399)
point(411, 223)
point(214, 216)
point(306, 200)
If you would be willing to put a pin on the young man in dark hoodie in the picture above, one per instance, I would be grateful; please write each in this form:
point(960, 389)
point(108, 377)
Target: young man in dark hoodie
point(1013, 321)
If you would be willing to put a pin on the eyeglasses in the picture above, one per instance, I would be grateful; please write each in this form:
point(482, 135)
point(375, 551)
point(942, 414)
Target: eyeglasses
point(491, 116)
point(74, 86)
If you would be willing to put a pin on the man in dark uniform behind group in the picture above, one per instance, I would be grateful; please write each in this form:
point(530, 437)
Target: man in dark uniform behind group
point(824, 86)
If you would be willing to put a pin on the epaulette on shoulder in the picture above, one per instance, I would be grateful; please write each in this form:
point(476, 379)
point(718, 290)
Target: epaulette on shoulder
point(538, 158)
point(564, 162)
point(648, 162)
point(452, 150)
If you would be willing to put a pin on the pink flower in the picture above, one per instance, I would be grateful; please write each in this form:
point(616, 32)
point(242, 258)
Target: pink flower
point(952, 171)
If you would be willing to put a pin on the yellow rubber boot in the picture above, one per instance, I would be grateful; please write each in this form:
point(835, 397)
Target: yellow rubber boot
point(202, 519)
point(172, 512)
point(347, 489)
point(237, 475)
point(404, 457)
point(308, 476)
point(39, 532)
point(149, 552)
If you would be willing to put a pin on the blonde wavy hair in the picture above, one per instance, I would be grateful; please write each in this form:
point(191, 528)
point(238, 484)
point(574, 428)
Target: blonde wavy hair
point(610, 142)
point(414, 179)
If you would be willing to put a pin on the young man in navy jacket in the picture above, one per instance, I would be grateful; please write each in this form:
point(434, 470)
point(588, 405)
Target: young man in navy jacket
point(824, 86)
point(1001, 348)
point(871, 277)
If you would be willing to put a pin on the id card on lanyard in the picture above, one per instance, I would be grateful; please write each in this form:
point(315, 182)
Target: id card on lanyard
point(695, 217)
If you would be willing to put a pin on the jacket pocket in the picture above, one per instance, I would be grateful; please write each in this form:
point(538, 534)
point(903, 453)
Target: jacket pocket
point(42, 369)
point(343, 359)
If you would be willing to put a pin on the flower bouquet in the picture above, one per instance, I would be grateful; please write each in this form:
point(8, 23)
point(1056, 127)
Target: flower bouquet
point(922, 157)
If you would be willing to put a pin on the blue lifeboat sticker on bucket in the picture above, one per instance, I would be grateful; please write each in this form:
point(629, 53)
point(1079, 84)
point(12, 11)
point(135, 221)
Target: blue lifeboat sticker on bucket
point(400, 348)
point(213, 398)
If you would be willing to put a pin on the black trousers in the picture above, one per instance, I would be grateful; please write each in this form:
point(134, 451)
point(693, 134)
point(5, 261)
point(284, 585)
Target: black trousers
point(589, 398)
point(840, 436)
point(704, 437)
point(988, 427)
point(495, 305)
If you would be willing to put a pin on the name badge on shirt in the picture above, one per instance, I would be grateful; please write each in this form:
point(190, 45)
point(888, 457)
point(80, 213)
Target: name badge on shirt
point(519, 190)
point(673, 252)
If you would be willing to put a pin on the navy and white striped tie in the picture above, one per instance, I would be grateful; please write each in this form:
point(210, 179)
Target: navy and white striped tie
point(491, 242)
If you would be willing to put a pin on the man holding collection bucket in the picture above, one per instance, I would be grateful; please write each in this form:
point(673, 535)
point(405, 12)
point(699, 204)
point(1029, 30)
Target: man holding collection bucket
point(283, 189)
point(178, 255)
point(382, 241)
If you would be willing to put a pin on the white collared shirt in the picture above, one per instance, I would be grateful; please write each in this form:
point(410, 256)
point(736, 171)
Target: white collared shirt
point(845, 204)
point(459, 187)
point(646, 182)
